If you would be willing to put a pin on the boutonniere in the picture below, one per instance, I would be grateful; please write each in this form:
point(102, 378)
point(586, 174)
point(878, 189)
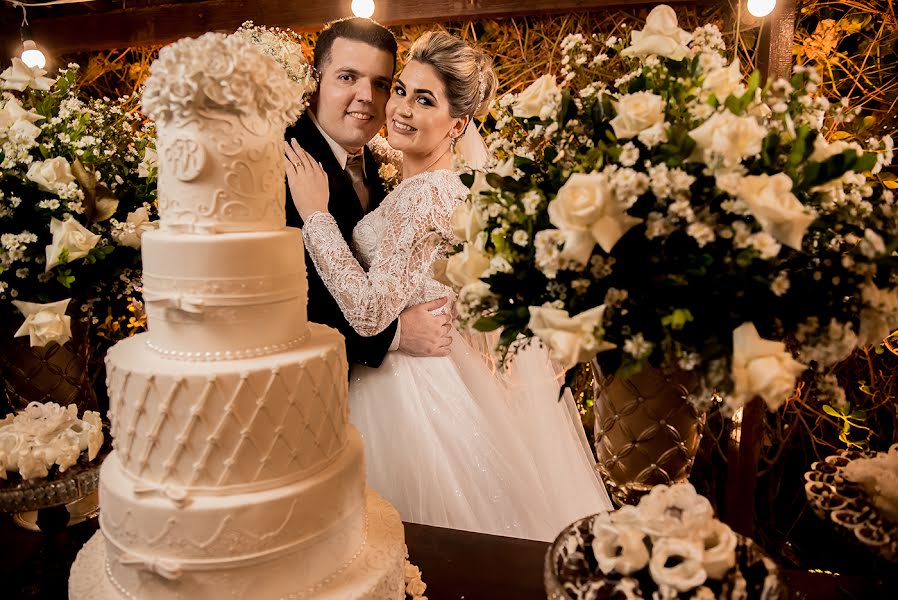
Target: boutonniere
point(389, 176)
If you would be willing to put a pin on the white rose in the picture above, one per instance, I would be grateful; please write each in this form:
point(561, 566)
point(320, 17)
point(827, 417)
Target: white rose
point(71, 236)
point(772, 203)
point(135, 226)
point(724, 81)
point(12, 112)
point(23, 132)
point(660, 36)
point(20, 76)
point(45, 323)
point(675, 510)
point(52, 174)
point(619, 549)
point(533, 102)
point(728, 137)
point(570, 340)
point(94, 433)
point(687, 571)
point(466, 222)
point(719, 544)
point(762, 368)
point(586, 203)
point(637, 112)
point(468, 266)
point(878, 314)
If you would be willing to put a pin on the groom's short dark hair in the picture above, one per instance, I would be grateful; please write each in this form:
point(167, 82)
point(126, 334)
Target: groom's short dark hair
point(356, 29)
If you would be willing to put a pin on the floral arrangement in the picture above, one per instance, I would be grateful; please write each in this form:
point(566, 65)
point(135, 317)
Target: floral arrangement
point(669, 546)
point(43, 435)
point(223, 73)
point(683, 217)
point(414, 583)
point(77, 191)
point(283, 46)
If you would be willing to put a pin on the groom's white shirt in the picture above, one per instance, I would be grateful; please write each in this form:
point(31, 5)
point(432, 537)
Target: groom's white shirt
point(342, 156)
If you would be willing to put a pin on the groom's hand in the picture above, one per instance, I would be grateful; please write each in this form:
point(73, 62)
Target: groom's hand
point(423, 333)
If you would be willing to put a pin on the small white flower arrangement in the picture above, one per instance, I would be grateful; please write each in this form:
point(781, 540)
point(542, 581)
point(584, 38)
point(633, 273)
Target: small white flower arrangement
point(669, 546)
point(681, 217)
point(46, 435)
point(77, 191)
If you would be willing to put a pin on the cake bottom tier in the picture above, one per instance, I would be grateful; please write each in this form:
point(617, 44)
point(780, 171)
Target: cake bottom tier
point(375, 572)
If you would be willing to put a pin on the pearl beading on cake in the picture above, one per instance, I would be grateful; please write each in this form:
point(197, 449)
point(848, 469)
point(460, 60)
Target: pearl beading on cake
point(227, 354)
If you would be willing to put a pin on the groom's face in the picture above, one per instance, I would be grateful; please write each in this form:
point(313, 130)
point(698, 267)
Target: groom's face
point(353, 91)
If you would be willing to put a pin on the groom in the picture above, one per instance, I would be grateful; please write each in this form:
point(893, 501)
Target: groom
point(355, 59)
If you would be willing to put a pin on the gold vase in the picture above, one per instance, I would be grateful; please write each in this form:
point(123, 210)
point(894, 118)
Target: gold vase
point(52, 373)
point(647, 432)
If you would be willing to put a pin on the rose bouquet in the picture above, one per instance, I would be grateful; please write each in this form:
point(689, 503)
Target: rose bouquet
point(683, 217)
point(669, 546)
point(77, 191)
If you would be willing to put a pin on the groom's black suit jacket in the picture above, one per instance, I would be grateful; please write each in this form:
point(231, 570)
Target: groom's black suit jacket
point(346, 209)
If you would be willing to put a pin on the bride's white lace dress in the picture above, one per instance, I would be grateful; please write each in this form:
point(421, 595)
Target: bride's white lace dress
point(448, 441)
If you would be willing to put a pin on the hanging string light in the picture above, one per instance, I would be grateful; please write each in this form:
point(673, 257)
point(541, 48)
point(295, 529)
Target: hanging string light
point(363, 8)
point(761, 8)
point(31, 54)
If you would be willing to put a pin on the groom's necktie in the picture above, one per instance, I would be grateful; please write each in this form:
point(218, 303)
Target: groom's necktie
point(354, 168)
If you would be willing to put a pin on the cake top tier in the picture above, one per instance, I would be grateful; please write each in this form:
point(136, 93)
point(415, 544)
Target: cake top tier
point(221, 106)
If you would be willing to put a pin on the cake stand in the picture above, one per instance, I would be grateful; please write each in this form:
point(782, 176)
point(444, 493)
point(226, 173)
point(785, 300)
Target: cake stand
point(51, 504)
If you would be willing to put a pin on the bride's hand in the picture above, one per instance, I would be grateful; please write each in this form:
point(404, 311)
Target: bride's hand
point(307, 180)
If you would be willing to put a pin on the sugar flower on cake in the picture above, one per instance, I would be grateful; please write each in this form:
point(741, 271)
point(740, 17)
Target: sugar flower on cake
point(674, 511)
point(878, 476)
point(45, 323)
point(71, 241)
point(677, 563)
point(762, 368)
point(43, 435)
point(21, 77)
point(220, 72)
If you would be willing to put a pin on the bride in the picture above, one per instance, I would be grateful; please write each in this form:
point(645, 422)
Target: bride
point(448, 441)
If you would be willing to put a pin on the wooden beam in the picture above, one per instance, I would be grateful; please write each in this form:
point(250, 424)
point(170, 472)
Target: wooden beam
point(166, 22)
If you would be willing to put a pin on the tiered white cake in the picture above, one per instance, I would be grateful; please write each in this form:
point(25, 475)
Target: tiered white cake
point(235, 472)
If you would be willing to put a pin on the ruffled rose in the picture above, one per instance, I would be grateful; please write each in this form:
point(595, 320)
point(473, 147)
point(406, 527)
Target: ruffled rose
point(637, 112)
point(619, 549)
point(675, 510)
point(586, 206)
point(23, 132)
point(466, 222)
point(20, 76)
point(52, 174)
point(45, 323)
point(729, 138)
point(468, 266)
point(13, 112)
point(686, 557)
point(719, 544)
point(69, 236)
point(660, 36)
point(570, 340)
point(762, 368)
point(724, 81)
point(775, 207)
point(538, 100)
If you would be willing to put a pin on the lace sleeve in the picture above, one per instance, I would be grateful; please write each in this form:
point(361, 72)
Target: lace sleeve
point(415, 228)
point(384, 153)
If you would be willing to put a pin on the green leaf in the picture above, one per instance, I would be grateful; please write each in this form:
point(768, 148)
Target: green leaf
point(486, 324)
point(677, 319)
point(467, 179)
point(831, 411)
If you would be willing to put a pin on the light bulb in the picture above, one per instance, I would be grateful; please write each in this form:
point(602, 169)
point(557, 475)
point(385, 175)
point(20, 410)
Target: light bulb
point(761, 8)
point(363, 8)
point(31, 56)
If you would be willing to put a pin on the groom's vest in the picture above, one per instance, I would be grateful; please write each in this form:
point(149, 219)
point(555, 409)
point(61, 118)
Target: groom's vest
point(346, 209)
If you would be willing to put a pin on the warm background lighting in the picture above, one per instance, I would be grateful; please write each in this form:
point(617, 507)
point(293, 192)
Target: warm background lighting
point(758, 8)
point(363, 8)
point(31, 56)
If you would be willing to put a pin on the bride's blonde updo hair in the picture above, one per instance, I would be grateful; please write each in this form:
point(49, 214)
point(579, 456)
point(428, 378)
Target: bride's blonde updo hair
point(466, 72)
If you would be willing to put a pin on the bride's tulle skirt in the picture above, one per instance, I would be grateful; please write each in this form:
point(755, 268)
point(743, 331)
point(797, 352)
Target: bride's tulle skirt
point(451, 443)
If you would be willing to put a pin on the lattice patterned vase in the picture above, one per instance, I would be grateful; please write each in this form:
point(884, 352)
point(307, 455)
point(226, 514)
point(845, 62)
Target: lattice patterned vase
point(647, 432)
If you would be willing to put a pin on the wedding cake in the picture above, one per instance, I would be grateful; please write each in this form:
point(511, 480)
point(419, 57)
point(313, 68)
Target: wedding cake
point(235, 472)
